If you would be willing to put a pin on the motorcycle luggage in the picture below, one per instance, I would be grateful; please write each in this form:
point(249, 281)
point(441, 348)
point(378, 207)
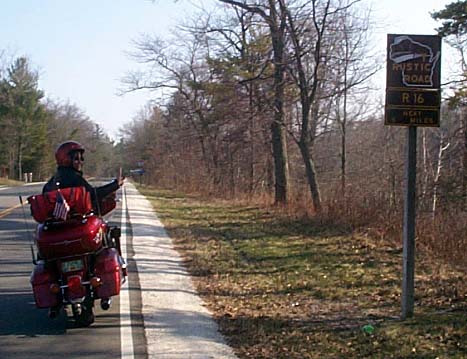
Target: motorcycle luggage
point(64, 239)
point(41, 279)
point(42, 205)
point(107, 204)
point(109, 269)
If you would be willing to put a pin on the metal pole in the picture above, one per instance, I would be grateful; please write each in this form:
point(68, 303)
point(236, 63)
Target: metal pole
point(409, 224)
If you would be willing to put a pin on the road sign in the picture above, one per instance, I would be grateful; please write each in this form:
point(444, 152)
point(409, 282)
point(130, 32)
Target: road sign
point(412, 99)
point(413, 80)
point(138, 171)
point(412, 117)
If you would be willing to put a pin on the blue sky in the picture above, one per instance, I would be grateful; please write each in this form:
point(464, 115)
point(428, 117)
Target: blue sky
point(78, 46)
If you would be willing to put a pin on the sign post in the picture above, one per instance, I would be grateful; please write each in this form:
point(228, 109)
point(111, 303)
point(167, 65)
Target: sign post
point(412, 99)
point(408, 235)
point(139, 172)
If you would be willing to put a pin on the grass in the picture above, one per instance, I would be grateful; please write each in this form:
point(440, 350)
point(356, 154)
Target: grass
point(290, 288)
point(9, 182)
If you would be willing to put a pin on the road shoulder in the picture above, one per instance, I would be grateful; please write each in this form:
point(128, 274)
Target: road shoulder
point(177, 324)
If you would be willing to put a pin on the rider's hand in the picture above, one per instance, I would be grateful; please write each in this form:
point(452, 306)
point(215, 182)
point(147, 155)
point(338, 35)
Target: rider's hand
point(120, 180)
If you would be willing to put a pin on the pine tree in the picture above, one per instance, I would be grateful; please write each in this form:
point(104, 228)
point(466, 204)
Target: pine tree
point(22, 118)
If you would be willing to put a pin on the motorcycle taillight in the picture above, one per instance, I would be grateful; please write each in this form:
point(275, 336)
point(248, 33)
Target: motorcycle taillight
point(74, 283)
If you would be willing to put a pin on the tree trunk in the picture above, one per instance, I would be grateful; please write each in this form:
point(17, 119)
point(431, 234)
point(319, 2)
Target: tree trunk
point(251, 127)
point(344, 120)
point(343, 155)
point(308, 92)
point(464, 158)
point(310, 175)
point(280, 162)
point(20, 159)
point(279, 147)
point(439, 167)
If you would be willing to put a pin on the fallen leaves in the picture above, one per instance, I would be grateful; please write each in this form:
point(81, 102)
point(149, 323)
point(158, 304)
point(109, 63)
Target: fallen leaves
point(283, 288)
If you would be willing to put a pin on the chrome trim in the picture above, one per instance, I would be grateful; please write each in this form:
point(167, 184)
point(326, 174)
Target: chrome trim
point(82, 283)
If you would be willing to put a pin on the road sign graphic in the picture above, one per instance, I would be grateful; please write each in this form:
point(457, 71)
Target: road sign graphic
point(413, 80)
point(416, 61)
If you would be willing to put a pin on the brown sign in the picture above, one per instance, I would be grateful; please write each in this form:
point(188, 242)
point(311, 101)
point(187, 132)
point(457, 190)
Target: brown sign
point(413, 80)
point(412, 98)
point(406, 117)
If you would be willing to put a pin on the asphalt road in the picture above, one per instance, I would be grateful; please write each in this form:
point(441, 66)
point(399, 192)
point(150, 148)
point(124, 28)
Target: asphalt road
point(157, 315)
point(27, 332)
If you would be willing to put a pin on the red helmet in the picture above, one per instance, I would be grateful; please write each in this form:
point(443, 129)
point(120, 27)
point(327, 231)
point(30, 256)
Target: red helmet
point(63, 152)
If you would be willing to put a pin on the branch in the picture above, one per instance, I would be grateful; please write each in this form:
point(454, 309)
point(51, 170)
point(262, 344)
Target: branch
point(224, 33)
point(259, 76)
point(252, 9)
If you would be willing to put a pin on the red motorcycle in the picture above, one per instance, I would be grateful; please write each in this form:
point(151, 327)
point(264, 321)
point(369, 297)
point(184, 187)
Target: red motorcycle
point(78, 259)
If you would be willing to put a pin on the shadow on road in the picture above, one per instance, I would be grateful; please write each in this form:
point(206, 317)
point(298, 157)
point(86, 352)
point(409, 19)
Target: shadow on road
point(20, 317)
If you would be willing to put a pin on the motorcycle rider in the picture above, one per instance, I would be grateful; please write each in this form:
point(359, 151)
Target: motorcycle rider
point(69, 158)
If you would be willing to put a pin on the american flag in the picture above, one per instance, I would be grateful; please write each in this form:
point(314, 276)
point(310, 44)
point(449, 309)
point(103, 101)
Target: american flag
point(61, 207)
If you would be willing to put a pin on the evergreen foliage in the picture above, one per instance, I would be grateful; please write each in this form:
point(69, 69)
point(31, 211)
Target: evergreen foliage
point(32, 127)
point(454, 19)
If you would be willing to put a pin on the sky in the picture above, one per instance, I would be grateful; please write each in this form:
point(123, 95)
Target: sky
point(80, 47)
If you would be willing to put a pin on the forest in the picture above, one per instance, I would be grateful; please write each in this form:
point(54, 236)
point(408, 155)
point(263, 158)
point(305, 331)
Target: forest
point(269, 101)
point(32, 126)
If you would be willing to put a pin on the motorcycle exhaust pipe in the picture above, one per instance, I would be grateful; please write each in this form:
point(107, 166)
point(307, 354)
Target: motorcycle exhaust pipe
point(105, 303)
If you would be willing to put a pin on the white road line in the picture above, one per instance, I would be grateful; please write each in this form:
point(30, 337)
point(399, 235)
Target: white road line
point(126, 332)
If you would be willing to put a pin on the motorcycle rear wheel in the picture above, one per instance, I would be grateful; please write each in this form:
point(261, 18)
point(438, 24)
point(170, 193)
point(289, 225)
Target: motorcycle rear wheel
point(84, 316)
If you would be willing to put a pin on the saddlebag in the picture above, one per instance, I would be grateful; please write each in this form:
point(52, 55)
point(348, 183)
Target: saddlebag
point(42, 205)
point(70, 238)
point(109, 269)
point(107, 204)
point(41, 279)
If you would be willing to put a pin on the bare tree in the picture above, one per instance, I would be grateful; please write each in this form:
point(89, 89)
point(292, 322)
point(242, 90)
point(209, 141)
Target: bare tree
point(330, 59)
point(179, 67)
point(243, 60)
point(355, 63)
point(275, 18)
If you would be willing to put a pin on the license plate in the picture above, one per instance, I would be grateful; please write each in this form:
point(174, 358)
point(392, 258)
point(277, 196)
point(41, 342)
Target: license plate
point(71, 266)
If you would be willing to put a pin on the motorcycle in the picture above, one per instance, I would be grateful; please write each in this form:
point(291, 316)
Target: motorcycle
point(78, 257)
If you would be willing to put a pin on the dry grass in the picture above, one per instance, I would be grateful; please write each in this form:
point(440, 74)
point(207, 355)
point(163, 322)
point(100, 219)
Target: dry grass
point(285, 287)
point(9, 182)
